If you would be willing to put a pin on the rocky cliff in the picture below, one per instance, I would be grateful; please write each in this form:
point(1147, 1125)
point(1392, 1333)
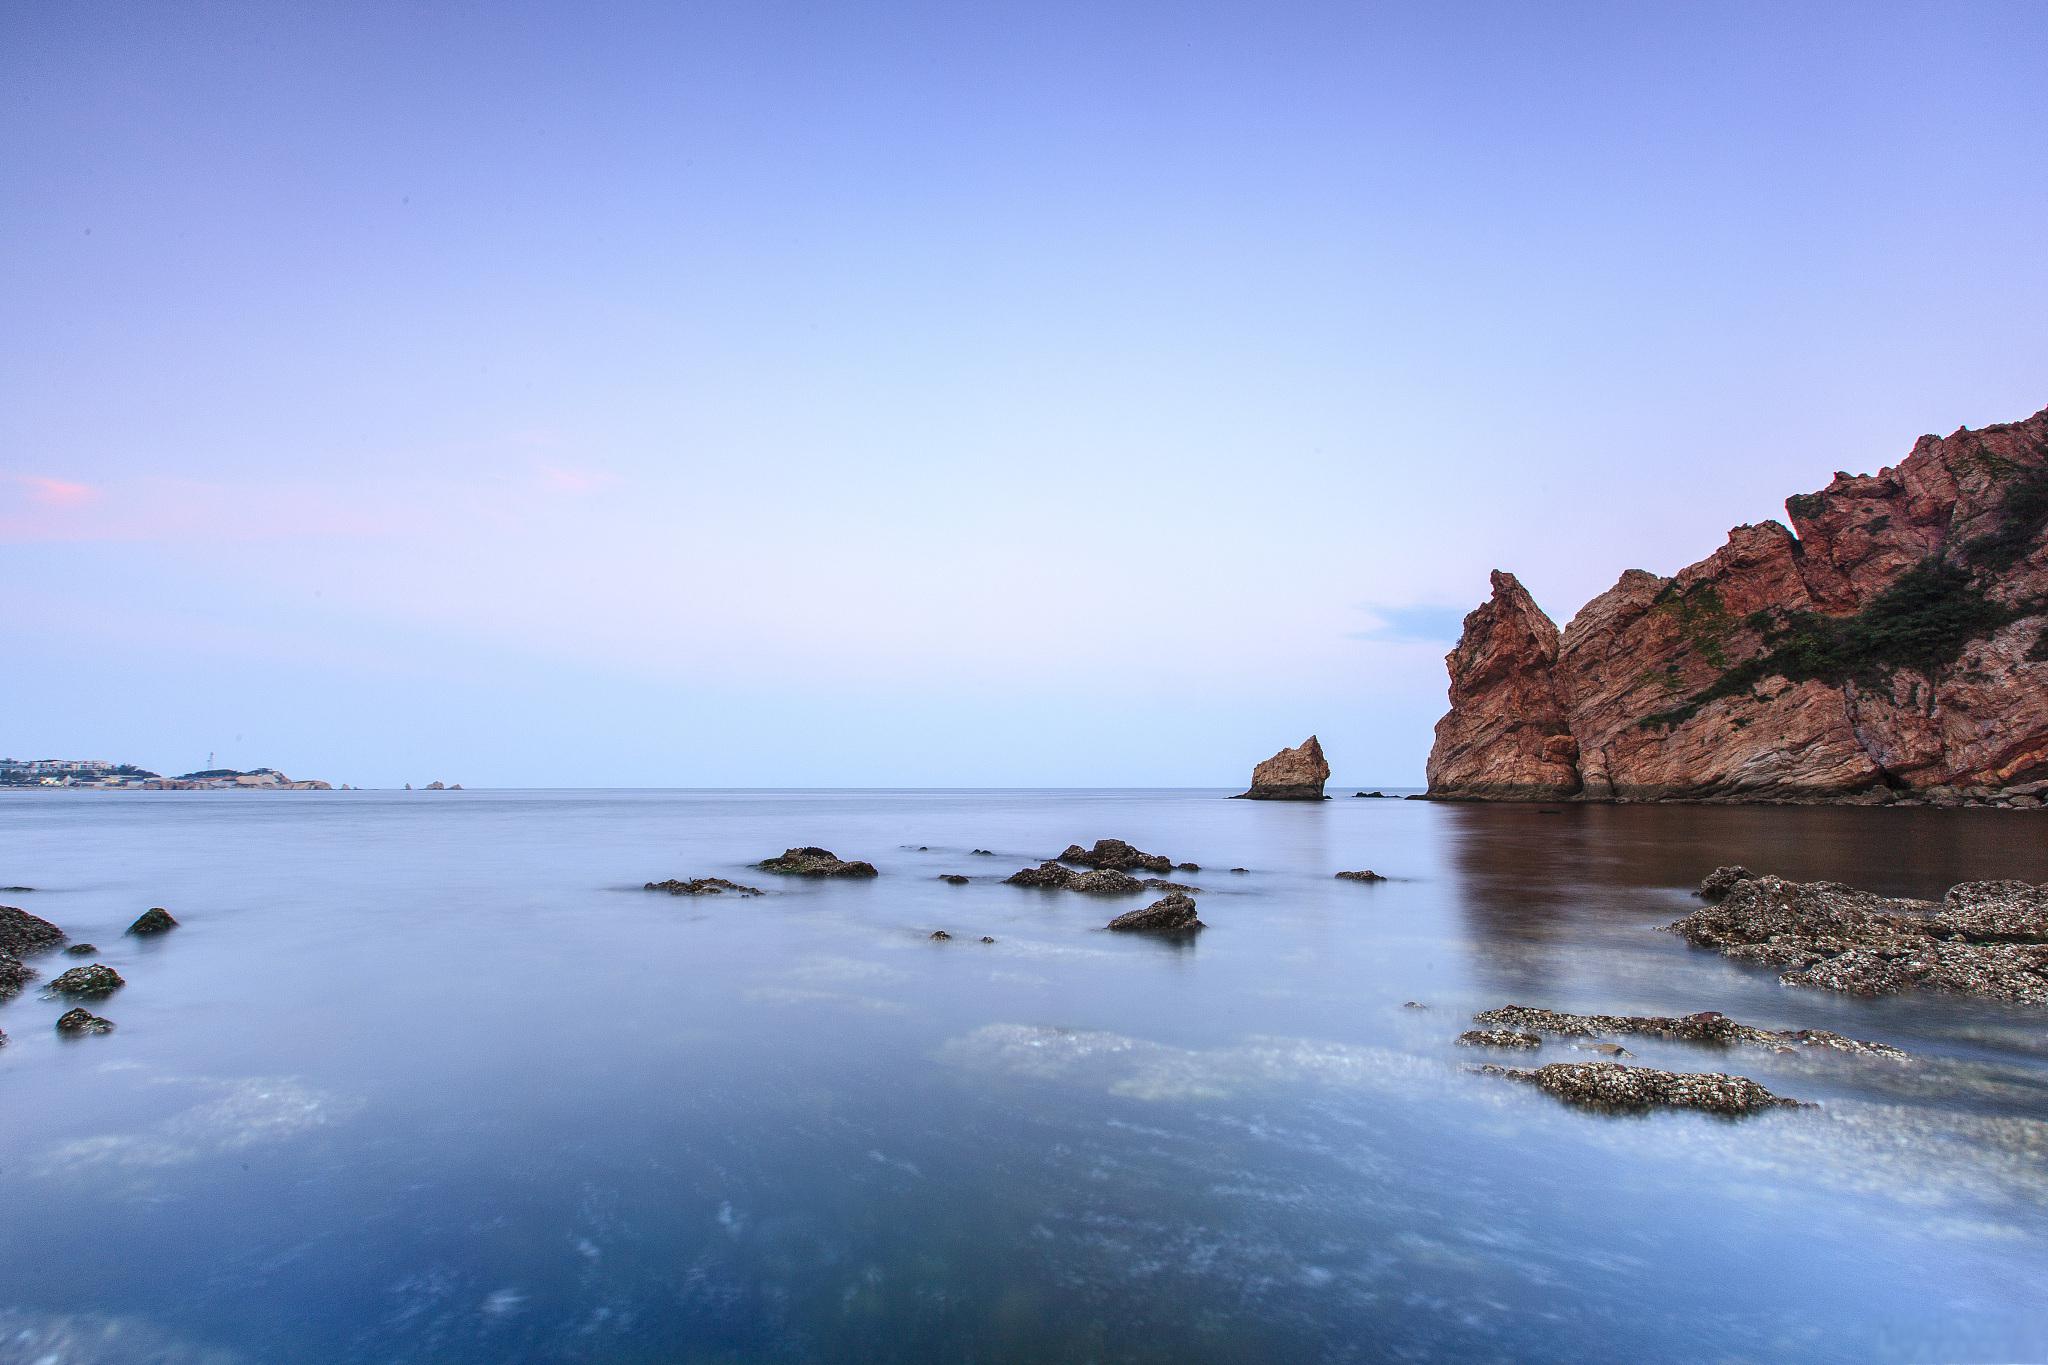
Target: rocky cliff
point(1895, 647)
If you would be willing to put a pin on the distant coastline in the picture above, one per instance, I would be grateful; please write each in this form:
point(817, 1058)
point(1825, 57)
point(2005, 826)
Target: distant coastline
point(85, 774)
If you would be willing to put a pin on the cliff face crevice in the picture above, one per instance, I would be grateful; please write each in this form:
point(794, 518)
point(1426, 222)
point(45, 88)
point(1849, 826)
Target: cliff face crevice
point(1897, 643)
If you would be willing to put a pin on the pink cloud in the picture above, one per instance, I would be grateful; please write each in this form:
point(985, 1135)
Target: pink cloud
point(45, 491)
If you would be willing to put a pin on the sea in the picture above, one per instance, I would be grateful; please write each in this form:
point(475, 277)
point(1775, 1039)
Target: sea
point(431, 1077)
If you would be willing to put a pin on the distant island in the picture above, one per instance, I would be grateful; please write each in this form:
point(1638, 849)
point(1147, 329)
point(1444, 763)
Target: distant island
point(95, 775)
point(1894, 650)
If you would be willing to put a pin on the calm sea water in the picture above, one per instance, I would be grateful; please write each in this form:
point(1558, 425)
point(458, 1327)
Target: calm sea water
point(427, 1077)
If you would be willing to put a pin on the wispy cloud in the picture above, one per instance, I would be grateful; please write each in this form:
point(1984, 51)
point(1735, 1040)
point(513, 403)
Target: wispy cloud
point(1419, 625)
point(45, 491)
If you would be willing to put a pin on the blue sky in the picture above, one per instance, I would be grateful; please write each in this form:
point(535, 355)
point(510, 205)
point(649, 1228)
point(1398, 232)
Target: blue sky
point(772, 394)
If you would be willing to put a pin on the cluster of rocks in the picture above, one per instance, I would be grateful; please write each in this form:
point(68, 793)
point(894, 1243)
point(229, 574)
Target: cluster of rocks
point(1614, 1088)
point(1364, 874)
point(704, 886)
point(815, 862)
point(1708, 1026)
point(23, 934)
point(1983, 938)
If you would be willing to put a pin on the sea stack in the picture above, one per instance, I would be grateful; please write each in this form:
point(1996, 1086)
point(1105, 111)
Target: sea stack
point(1296, 774)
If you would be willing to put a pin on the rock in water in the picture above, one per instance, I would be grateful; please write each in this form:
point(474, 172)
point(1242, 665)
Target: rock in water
point(1985, 938)
point(1708, 1026)
point(1296, 774)
point(79, 1022)
point(953, 879)
point(1364, 874)
point(1174, 914)
point(1045, 874)
point(82, 949)
point(704, 886)
point(940, 936)
point(1615, 1088)
point(22, 933)
point(1114, 855)
point(1896, 648)
point(1105, 883)
point(14, 974)
point(88, 983)
point(1498, 1037)
point(815, 862)
point(155, 920)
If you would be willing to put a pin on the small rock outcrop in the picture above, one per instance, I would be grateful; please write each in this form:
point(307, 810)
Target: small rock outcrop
point(1498, 1037)
point(14, 974)
point(1708, 1026)
point(704, 886)
point(1296, 774)
point(155, 920)
point(1114, 855)
point(22, 933)
point(1894, 648)
point(940, 936)
point(815, 862)
point(78, 1022)
point(1174, 914)
point(1364, 874)
point(1045, 874)
point(1722, 880)
point(82, 949)
point(1104, 882)
point(88, 983)
point(954, 879)
point(1984, 938)
point(1614, 1088)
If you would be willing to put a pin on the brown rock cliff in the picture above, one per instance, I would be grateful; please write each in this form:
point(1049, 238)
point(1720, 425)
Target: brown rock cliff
point(1896, 646)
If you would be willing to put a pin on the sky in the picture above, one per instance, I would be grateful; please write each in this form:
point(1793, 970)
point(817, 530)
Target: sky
point(771, 394)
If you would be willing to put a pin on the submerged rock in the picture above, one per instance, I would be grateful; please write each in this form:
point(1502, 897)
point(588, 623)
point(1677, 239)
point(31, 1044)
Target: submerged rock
point(1604, 1049)
point(1240, 869)
point(155, 920)
point(1615, 1088)
point(22, 933)
point(986, 939)
point(1722, 880)
point(940, 936)
point(982, 853)
point(1498, 1037)
point(1708, 1026)
point(88, 983)
point(704, 886)
point(79, 1022)
point(82, 949)
point(953, 878)
point(1984, 938)
point(1174, 914)
point(14, 974)
point(1187, 867)
point(1364, 874)
point(1296, 774)
point(1161, 884)
point(1114, 855)
point(816, 862)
